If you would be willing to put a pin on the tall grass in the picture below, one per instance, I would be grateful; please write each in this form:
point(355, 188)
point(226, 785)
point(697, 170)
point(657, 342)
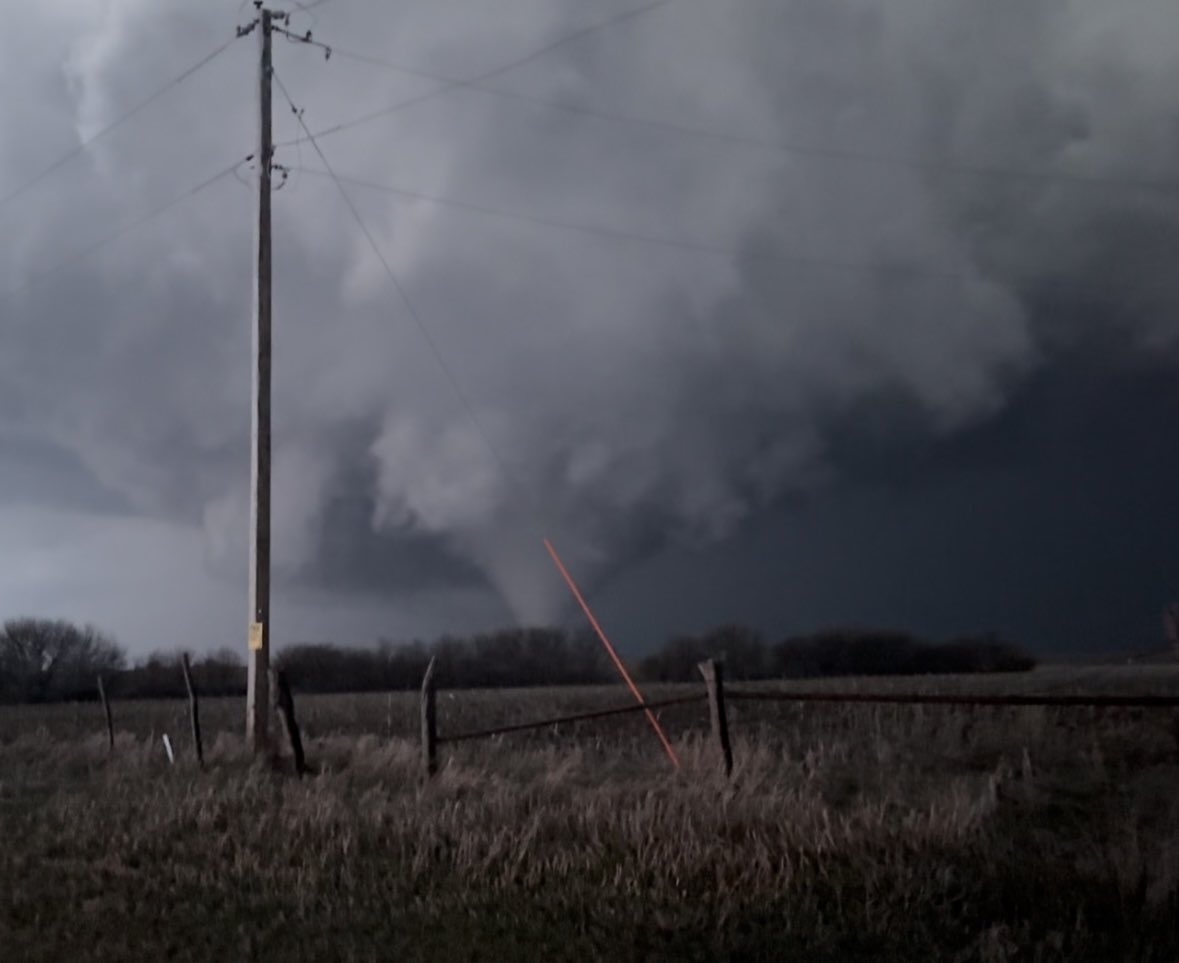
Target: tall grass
point(847, 832)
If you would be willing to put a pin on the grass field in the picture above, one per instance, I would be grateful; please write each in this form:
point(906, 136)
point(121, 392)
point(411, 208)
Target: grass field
point(847, 832)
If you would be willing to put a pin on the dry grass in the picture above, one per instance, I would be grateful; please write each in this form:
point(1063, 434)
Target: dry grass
point(925, 833)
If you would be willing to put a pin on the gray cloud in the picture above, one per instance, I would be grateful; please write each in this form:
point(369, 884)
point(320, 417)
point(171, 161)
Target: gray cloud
point(638, 395)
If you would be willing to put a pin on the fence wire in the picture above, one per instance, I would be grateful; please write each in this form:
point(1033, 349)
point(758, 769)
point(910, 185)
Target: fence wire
point(579, 717)
point(1089, 701)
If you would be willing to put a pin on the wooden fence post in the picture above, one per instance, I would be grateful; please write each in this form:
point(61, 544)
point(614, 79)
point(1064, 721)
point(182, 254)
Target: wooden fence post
point(193, 710)
point(106, 707)
point(714, 679)
point(286, 707)
point(429, 723)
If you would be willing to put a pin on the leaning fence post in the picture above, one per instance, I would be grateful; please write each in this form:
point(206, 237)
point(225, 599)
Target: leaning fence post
point(106, 707)
point(193, 710)
point(285, 704)
point(429, 723)
point(714, 680)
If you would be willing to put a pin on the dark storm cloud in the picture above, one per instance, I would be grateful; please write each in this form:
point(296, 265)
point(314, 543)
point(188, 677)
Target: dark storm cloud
point(636, 395)
point(33, 471)
point(1048, 523)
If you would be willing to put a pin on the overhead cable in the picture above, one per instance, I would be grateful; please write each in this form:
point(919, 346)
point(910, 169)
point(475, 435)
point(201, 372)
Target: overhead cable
point(85, 144)
point(576, 35)
point(122, 229)
point(877, 158)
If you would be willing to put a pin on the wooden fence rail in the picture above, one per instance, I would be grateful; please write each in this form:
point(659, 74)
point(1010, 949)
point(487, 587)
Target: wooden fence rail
point(716, 695)
point(578, 717)
point(917, 699)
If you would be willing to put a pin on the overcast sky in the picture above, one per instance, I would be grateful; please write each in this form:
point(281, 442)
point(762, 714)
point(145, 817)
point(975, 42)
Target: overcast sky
point(872, 319)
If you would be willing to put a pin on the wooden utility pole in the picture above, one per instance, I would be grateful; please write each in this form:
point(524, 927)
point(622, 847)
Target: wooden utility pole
point(257, 694)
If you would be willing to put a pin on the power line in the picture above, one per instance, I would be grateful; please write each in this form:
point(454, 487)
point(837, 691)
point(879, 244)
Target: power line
point(611, 233)
point(433, 345)
point(121, 230)
point(936, 165)
point(117, 122)
point(505, 68)
point(911, 270)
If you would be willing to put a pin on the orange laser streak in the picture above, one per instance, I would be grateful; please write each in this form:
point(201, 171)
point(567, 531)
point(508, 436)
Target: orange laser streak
point(609, 648)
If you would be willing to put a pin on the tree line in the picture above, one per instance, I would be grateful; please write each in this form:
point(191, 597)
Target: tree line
point(52, 661)
point(505, 658)
point(831, 652)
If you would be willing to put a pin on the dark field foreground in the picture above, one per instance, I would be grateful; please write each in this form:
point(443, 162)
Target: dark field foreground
point(847, 832)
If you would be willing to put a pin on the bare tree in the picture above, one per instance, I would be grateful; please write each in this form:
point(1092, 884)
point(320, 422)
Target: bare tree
point(43, 659)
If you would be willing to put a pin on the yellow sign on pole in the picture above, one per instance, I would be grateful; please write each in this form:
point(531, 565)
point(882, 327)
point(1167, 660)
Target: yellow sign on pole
point(256, 636)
